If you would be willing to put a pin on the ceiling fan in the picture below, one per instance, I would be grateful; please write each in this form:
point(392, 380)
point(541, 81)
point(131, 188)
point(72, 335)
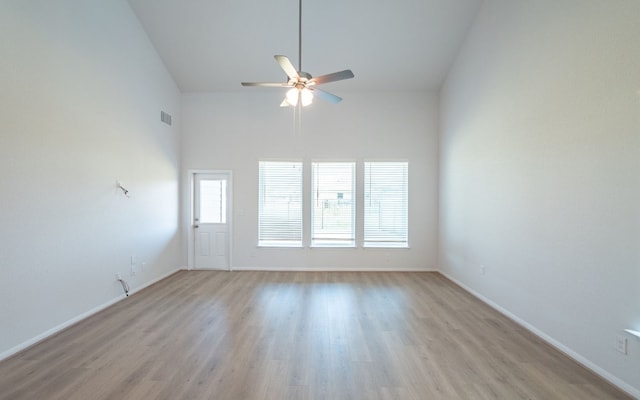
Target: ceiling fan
point(302, 85)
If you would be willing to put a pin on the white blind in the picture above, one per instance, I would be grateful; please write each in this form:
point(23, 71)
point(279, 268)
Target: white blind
point(386, 204)
point(280, 204)
point(333, 203)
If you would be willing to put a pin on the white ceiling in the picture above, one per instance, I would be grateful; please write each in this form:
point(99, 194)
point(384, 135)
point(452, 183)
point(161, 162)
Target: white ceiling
point(213, 45)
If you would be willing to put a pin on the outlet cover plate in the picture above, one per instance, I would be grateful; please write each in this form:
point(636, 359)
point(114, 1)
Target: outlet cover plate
point(621, 344)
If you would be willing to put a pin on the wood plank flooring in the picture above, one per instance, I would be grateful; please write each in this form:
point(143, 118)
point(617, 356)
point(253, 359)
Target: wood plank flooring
point(298, 335)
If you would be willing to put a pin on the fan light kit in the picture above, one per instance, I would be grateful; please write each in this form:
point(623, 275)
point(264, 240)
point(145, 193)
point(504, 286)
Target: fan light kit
point(302, 86)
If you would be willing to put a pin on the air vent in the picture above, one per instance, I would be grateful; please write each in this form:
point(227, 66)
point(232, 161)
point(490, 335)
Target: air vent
point(165, 117)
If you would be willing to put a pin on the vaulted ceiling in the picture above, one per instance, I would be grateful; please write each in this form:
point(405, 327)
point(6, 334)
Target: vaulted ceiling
point(213, 45)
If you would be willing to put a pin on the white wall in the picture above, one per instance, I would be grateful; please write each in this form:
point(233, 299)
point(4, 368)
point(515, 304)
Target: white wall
point(540, 172)
point(233, 131)
point(80, 99)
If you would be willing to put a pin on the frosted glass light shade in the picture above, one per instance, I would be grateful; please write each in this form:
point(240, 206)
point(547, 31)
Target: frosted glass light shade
point(304, 95)
point(292, 97)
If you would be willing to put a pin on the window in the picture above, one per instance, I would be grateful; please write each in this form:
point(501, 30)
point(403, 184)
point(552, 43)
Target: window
point(332, 214)
point(280, 204)
point(333, 204)
point(386, 204)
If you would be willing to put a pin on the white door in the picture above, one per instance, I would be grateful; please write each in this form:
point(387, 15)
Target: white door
point(211, 220)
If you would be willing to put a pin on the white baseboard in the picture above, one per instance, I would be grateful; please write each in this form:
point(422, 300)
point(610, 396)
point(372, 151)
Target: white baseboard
point(333, 269)
point(22, 346)
point(622, 385)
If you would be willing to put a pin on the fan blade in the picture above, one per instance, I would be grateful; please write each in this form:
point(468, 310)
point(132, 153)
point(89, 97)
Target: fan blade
point(332, 98)
point(265, 84)
point(287, 67)
point(336, 76)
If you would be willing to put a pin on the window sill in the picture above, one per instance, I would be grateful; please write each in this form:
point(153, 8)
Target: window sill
point(280, 245)
point(385, 245)
point(333, 244)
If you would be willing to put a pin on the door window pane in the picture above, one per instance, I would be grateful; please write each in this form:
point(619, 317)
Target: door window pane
point(213, 201)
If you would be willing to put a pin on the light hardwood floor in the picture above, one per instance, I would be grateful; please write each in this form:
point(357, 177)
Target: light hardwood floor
point(298, 335)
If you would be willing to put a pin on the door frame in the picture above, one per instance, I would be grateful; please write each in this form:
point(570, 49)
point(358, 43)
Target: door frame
point(191, 230)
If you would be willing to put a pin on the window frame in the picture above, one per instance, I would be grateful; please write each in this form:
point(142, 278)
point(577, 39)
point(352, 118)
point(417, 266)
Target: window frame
point(350, 242)
point(272, 242)
point(370, 242)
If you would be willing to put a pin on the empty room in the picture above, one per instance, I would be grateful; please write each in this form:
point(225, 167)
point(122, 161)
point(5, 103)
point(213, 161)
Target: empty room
point(304, 199)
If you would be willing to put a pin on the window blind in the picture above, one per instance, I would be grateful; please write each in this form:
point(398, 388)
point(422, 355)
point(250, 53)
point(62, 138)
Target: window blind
point(386, 204)
point(280, 204)
point(333, 204)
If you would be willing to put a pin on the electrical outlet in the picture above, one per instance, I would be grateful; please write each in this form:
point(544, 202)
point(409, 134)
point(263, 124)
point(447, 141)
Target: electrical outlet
point(621, 344)
point(143, 265)
point(482, 270)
